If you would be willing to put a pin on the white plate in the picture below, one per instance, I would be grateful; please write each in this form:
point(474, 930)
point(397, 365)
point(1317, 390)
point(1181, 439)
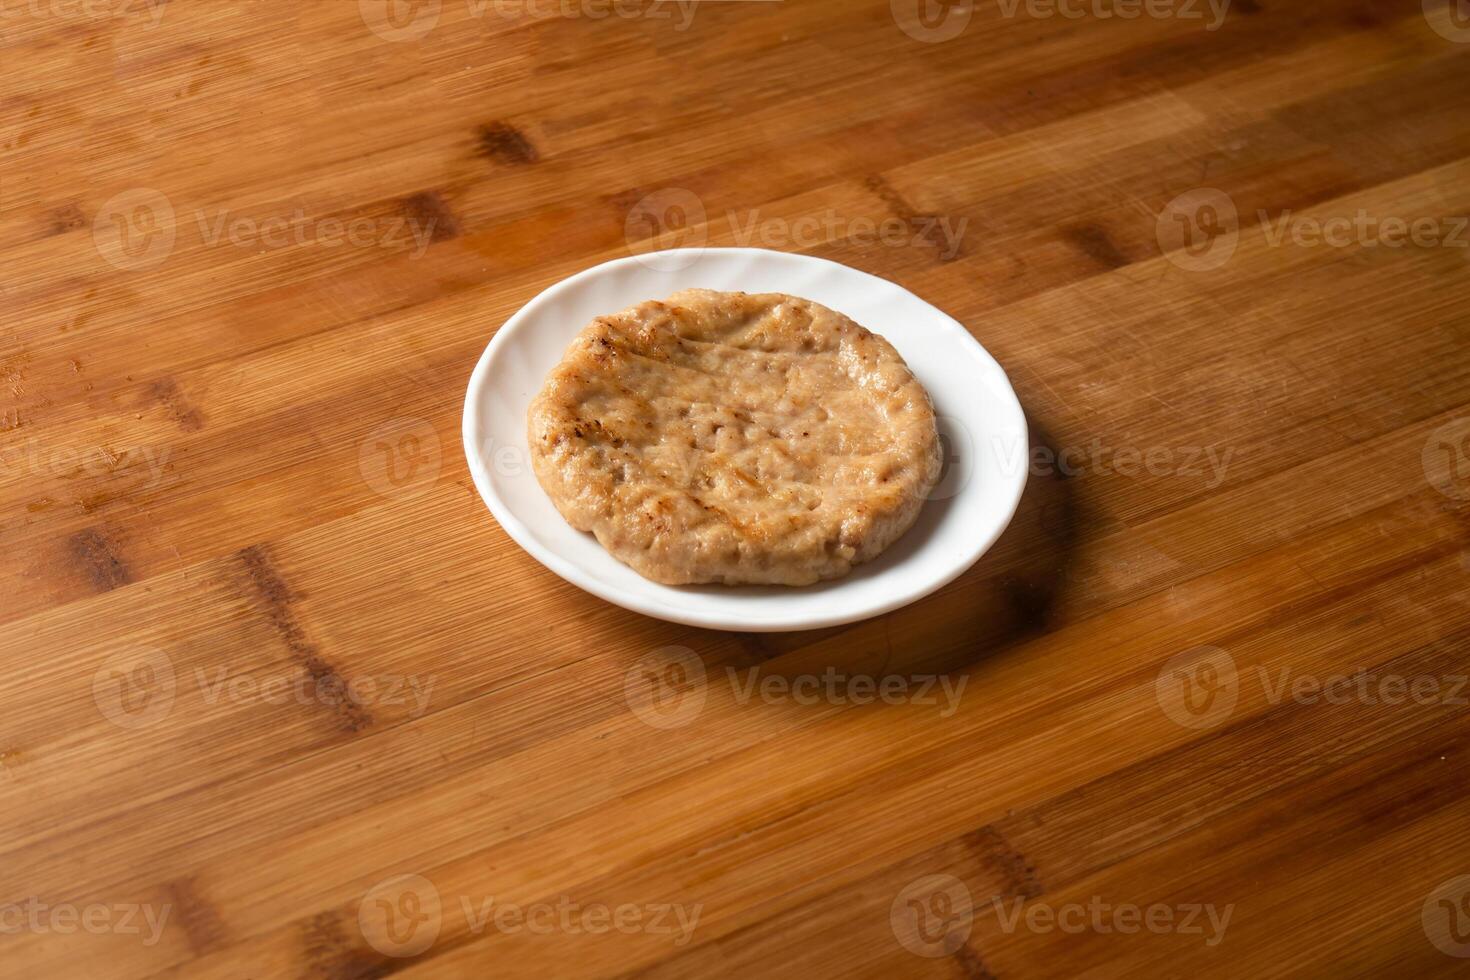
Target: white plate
point(982, 424)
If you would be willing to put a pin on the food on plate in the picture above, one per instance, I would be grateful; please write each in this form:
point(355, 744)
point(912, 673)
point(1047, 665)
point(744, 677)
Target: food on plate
point(735, 438)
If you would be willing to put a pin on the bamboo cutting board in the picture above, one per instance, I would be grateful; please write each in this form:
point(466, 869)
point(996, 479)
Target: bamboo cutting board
point(279, 698)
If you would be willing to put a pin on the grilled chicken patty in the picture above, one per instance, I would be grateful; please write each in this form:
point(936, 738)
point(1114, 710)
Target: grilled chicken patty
point(735, 438)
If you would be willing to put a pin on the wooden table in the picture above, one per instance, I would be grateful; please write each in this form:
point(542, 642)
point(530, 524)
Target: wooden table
point(281, 699)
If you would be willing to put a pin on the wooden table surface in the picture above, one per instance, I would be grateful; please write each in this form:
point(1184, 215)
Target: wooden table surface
point(280, 698)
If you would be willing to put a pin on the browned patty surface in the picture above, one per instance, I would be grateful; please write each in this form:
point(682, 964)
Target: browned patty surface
point(735, 438)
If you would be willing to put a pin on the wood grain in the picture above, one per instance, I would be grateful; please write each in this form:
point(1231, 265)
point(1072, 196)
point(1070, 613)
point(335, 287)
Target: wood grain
point(281, 699)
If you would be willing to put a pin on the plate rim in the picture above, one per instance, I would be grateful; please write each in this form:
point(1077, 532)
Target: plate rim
point(574, 574)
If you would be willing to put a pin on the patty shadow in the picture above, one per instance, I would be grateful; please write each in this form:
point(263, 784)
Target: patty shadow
point(1003, 600)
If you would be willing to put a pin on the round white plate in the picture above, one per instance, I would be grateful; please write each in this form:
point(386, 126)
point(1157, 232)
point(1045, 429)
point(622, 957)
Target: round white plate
point(981, 423)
